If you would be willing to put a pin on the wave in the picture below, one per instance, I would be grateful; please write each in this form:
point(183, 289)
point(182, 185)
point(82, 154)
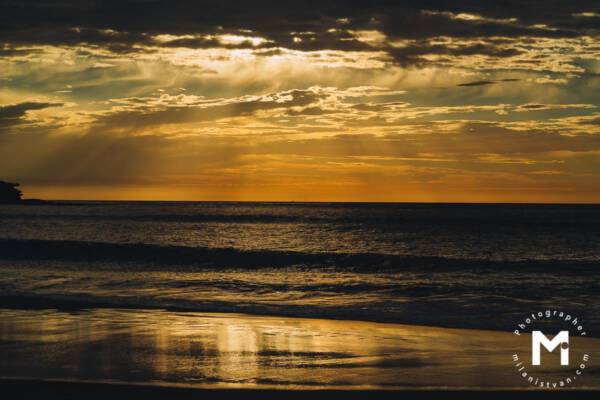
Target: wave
point(152, 256)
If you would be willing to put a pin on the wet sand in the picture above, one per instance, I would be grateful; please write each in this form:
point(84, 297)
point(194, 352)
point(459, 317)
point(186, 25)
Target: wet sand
point(234, 351)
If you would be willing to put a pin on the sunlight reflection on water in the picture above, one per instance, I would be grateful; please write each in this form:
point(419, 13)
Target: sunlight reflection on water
point(251, 351)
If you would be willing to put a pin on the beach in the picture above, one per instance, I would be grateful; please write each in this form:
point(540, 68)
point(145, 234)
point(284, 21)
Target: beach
point(237, 351)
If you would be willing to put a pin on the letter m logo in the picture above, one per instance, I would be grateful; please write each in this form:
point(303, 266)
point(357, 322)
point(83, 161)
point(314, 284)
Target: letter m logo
point(538, 339)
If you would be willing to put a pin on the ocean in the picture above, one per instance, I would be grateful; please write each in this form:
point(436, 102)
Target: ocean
point(481, 266)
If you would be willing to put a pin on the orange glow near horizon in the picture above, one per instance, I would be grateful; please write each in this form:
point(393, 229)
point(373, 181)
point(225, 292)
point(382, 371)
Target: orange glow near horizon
point(284, 194)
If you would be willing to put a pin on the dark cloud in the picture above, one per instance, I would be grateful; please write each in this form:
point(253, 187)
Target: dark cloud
point(121, 25)
point(533, 106)
point(11, 115)
point(478, 83)
point(488, 82)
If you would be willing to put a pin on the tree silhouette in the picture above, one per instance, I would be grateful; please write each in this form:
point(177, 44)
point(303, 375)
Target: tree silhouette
point(9, 192)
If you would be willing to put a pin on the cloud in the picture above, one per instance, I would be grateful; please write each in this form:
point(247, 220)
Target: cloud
point(14, 114)
point(478, 83)
point(488, 82)
point(131, 26)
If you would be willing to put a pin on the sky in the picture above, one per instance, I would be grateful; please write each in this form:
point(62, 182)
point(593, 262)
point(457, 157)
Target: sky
point(441, 101)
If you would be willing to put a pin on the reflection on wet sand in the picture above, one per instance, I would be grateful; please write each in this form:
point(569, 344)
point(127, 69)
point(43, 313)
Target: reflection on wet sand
point(153, 346)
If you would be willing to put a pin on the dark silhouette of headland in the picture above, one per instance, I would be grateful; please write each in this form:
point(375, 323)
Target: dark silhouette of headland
point(10, 194)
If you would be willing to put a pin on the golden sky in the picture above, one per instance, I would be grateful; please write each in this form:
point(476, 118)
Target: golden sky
point(302, 101)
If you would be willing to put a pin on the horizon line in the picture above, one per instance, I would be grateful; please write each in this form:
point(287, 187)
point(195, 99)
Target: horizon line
point(325, 202)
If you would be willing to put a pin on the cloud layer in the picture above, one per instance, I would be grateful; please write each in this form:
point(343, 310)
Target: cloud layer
point(332, 100)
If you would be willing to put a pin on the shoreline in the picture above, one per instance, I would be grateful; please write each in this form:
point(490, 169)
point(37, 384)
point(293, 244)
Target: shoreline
point(65, 304)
